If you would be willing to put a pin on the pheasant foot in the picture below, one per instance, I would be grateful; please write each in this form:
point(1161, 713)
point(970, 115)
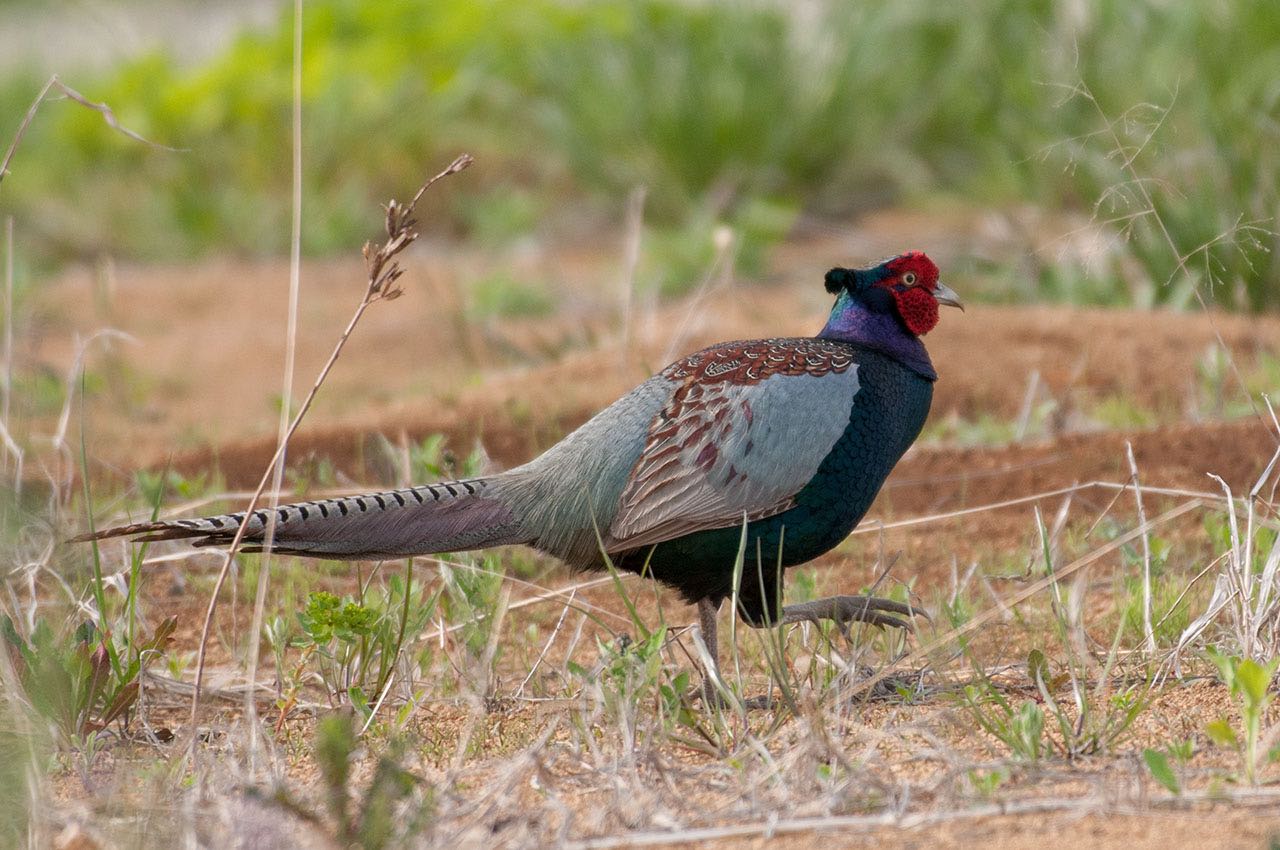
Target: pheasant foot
point(844, 610)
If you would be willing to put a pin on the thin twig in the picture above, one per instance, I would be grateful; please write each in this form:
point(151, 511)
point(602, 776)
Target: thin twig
point(383, 272)
point(286, 387)
point(555, 633)
point(8, 319)
point(1147, 630)
point(107, 115)
point(858, 824)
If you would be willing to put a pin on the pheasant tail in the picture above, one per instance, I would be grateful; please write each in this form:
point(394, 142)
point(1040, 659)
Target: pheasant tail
point(445, 517)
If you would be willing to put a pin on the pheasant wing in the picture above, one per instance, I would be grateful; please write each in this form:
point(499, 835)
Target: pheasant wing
point(746, 428)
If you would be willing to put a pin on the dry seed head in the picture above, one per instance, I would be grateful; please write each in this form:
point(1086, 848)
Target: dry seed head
point(460, 163)
point(398, 242)
point(392, 217)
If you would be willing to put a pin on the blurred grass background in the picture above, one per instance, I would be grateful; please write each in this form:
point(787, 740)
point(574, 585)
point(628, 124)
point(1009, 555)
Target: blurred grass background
point(752, 114)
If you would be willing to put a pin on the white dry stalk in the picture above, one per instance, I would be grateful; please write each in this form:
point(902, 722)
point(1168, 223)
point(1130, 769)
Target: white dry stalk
point(1257, 600)
point(1148, 631)
point(871, 524)
point(286, 390)
point(61, 477)
point(1266, 603)
point(568, 605)
point(12, 448)
point(544, 595)
point(101, 108)
point(8, 320)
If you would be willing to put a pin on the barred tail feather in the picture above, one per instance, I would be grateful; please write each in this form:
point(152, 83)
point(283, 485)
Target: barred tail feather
point(445, 517)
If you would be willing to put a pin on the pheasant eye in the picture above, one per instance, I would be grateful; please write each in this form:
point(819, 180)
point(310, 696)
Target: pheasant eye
point(909, 278)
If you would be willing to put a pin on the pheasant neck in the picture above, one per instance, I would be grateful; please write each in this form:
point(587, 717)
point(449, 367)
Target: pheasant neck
point(852, 321)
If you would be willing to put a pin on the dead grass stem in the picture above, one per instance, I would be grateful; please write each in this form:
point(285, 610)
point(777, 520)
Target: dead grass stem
point(383, 273)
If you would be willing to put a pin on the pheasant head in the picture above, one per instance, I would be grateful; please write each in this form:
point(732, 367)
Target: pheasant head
point(889, 307)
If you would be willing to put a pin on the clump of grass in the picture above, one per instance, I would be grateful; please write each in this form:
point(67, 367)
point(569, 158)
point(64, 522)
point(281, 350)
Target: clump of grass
point(1093, 717)
point(82, 682)
point(395, 806)
point(1244, 608)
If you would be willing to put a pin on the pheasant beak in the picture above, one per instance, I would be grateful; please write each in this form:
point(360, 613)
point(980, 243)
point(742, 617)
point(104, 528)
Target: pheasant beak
point(946, 295)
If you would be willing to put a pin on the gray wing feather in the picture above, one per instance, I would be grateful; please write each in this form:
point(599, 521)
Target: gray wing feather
point(567, 497)
point(731, 450)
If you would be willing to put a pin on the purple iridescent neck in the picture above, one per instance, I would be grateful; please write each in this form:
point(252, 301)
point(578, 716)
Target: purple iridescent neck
point(854, 321)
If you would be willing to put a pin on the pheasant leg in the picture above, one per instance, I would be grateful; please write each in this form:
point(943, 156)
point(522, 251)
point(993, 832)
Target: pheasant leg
point(707, 626)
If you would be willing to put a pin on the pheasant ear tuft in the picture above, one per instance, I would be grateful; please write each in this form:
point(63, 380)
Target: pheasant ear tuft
point(838, 279)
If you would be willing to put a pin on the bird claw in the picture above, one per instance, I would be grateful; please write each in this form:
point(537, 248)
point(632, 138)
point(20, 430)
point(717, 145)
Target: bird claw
point(845, 610)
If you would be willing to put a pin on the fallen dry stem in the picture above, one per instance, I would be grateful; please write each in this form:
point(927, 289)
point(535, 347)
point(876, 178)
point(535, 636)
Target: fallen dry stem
point(383, 272)
point(852, 824)
point(101, 108)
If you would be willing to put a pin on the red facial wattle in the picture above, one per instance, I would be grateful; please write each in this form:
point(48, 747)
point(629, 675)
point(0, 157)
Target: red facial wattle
point(918, 309)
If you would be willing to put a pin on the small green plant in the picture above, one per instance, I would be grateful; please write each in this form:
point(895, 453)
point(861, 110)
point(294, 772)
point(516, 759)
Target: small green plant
point(71, 680)
point(393, 808)
point(1020, 729)
point(1161, 763)
point(1250, 683)
point(985, 783)
point(431, 460)
point(355, 644)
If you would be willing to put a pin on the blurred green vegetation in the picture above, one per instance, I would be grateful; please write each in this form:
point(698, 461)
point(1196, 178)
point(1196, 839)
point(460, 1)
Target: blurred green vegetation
point(727, 112)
